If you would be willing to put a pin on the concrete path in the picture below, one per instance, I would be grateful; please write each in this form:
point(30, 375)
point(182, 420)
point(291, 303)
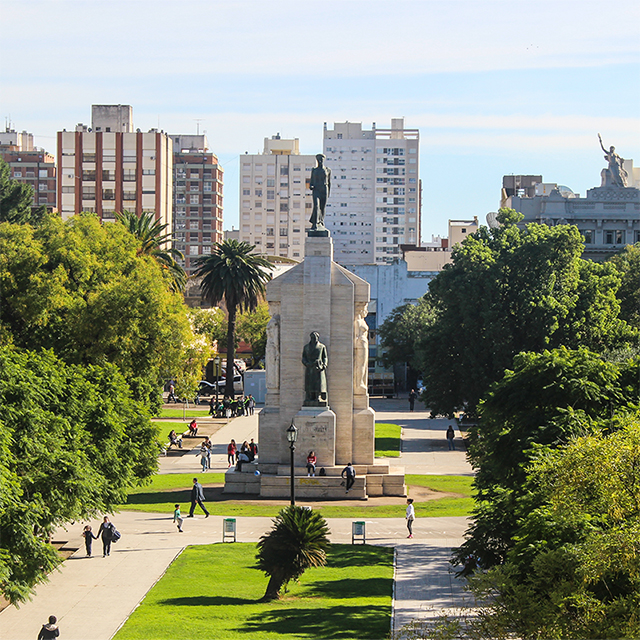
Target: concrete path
point(93, 597)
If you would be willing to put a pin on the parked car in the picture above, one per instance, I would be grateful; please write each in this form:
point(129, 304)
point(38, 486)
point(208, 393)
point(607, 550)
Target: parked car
point(206, 388)
point(238, 385)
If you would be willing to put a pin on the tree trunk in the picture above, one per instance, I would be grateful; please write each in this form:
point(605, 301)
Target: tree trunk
point(229, 391)
point(273, 590)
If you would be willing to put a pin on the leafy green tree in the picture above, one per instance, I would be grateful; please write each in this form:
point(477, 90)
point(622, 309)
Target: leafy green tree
point(16, 199)
point(544, 401)
point(153, 242)
point(298, 541)
point(401, 331)
point(81, 289)
point(252, 328)
point(209, 323)
point(233, 274)
point(628, 263)
point(72, 441)
point(510, 290)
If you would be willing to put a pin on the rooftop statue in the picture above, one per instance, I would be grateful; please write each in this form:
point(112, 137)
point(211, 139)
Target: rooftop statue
point(614, 175)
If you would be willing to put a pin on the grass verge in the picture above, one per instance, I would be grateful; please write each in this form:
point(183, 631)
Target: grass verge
point(212, 591)
point(388, 440)
point(166, 490)
point(179, 412)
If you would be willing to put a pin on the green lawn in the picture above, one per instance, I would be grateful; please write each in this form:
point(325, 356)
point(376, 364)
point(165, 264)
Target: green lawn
point(178, 412)
point(388, 440)
point(212, 591)
point(169, 489)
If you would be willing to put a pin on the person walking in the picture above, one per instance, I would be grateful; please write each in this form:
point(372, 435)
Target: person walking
point(251, 404)
point(350, 474)
point(197, 497)
point(412, 399)
point(451, 434)
point(204, 457)
point(88, 536)
point(172, 394)
point(177, 519)
point(231, 452)
point(49, 630)
point(410, 515)
point(106, 532)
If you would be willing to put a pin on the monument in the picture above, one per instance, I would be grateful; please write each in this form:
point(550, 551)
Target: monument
point(317, 363)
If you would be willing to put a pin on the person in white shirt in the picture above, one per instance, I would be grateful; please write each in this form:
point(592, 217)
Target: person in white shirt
point(410, 516)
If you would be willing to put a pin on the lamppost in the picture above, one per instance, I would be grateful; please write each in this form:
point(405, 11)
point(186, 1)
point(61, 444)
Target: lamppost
point(292, 436)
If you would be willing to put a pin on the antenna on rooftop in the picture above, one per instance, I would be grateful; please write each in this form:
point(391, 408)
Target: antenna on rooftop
point(198, 121)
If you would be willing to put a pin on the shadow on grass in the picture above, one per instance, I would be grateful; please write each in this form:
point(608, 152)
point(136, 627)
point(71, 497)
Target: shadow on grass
point(351, 588)
point(160, 497)
point(364, 623)
point(387, 444)
point(206, 601)
point(346, 555)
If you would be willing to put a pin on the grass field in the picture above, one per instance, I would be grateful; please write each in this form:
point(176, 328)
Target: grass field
point(388, 440)
point(167, 490)
point(213, 591)
point(178, 412)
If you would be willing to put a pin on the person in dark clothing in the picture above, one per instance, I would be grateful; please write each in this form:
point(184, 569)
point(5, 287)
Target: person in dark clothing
point(350, 474)
point(254, 448)
point(197, 497)
point(450, 438)
point(106, 531)
point(49, 630)
point(88, 539)
point(412, 399)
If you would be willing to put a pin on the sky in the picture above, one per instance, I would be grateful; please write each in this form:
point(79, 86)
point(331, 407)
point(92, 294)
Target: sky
point(495, 87)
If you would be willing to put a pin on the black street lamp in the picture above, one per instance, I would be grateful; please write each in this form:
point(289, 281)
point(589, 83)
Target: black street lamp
point(292, 436)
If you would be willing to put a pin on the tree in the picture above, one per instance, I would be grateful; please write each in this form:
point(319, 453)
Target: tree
point(235, 275)
point(81, 289)
point(72, 441)
point(297, 541)
point(16, 199)
point(510, 290)
point(153, 240)
point(252, 328)
point(401, 331)
point(628, 263)
point(541, 404)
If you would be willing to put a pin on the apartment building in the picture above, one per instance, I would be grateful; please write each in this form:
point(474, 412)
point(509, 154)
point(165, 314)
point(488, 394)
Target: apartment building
point(30, 165)
point(109, 167)
point(197, 198)
point(275, 201)
point(375, 203)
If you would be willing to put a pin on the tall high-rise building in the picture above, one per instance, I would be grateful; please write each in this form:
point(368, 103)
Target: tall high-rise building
point(374, 205)
point(197, 198)
point(109, 167)
point(275, 200)
point(30, 165)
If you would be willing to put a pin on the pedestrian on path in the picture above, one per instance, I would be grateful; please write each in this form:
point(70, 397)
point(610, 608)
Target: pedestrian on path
point(410, 515)
point(412, 399)
point(350, 473)
point(197, 497)
point(231, 452)
point(177, 519)
point(172, 393)
point(49, 630)
point(450, 436)
point(106, 530)
point(204, 457)
point(88, 536)
point(251, 404)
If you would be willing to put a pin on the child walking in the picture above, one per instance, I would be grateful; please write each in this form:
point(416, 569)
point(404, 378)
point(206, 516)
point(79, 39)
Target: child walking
point(88, 539)
point(177, 519)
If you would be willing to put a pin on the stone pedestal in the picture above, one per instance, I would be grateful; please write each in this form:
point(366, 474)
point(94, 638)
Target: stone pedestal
point(317, 295)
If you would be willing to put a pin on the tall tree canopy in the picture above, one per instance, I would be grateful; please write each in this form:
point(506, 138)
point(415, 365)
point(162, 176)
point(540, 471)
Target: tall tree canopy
point(510, 290)
point(153, 242)
point(81, 289)
point(72, 440)
point(233, 274)
point(16, 199)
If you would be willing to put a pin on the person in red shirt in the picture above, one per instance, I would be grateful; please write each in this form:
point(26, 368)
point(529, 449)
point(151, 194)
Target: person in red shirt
point(231, 452)
point(311, 464)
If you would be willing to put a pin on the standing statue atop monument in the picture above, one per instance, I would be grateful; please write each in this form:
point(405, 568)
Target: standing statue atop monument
point(320, 185)
point(615, 175)
point(314, 358)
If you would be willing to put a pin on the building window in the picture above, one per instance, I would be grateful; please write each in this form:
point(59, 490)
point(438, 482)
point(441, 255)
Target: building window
point(194, 199)
point(148, 172)
point(88, 157)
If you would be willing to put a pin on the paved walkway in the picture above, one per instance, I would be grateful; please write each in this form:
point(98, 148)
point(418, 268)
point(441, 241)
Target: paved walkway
point(92, 597)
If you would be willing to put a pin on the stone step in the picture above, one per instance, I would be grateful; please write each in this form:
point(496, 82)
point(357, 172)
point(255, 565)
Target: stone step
point(318, 487)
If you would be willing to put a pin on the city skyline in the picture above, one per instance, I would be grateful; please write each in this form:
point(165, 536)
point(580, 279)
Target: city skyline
point(495, 88)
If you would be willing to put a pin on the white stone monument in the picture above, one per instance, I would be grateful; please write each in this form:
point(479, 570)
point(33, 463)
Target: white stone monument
point(317, 295)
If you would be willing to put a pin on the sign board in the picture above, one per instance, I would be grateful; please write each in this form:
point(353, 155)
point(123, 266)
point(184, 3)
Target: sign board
point(358, 532)
point(229, 529)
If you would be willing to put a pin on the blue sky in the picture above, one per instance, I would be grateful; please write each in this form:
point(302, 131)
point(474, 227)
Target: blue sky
point(495, 87)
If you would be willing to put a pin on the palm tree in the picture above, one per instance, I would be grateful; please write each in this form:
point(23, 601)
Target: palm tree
point(298, 540)
point(238, 277)
point(151, 234)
